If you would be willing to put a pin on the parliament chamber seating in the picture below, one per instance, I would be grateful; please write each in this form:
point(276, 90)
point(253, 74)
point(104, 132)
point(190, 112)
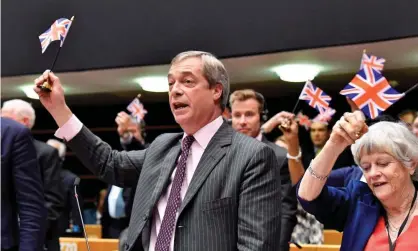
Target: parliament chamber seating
point(332, 241)
point(96, 244)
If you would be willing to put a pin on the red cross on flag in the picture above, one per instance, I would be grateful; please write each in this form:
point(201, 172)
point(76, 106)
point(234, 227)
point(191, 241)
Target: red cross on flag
point(315, 97)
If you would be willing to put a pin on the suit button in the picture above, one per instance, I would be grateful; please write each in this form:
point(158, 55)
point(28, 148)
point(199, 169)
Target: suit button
point(145, 217)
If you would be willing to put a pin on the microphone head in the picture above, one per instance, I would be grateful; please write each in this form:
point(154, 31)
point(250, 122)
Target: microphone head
point(77, 181)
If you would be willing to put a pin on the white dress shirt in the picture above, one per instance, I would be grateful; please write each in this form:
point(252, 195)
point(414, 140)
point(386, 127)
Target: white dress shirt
point(202, 138)
point(112, 200)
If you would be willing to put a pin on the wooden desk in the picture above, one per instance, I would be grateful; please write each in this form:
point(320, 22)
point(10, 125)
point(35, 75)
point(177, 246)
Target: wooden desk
point(332, 237)
point(94, 231)
point(79, 244)
point(313, 247)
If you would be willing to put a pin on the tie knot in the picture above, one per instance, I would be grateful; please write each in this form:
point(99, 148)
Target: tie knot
point(187, 142)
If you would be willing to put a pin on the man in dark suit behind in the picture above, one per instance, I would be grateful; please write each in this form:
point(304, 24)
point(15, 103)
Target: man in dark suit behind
point(114, 221)
point(70, 217)
point(248, 112)
point(50, 165)
point(113, 225)
point(132, 137)
point(223, 193)
point(22, 201)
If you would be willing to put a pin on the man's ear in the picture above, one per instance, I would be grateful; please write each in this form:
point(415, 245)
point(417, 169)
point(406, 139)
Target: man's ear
point(26, 122)
point(413, 169)
point(217, 91)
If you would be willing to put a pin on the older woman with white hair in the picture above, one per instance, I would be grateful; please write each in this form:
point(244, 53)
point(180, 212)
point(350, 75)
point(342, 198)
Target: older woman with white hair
point(381, 214)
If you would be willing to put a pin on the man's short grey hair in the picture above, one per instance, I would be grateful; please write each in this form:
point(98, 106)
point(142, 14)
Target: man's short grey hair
point(61, 147)
point(392, 138)
point(213, 70)
point(21, 109)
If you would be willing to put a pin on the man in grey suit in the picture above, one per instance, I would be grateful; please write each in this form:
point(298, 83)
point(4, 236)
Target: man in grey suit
point(208, 188)
point(248, 112)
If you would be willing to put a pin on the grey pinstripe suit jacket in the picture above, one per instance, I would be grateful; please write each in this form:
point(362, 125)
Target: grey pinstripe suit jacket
point(232, 203)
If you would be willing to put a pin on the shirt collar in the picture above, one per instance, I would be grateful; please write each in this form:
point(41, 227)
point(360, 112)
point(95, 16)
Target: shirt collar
point(317, 149)
point(205, 134)
point(259, 136)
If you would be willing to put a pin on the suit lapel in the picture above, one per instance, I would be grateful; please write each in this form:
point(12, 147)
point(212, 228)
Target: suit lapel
point(369, 218)
point(213, 153)
point(167, 168)
point(367, 215)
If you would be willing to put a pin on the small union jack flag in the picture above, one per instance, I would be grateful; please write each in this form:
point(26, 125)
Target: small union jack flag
point(370, 62)
point(325, 117)
point(315, 97)
point(303, 120)
point(137, 109)
point(58, 31)
point(372, 96)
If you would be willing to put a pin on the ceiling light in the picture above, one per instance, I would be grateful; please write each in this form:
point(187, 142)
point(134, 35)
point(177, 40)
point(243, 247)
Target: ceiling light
point(297, 72)
point(28, 90)
point(153, 84)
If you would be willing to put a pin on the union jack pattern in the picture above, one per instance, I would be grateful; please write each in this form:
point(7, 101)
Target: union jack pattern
point(370, 62)
point(315, 97)
point(303, 120)
point(325, 117)
point(372, 95)
point(137, 109)
point(57, 31)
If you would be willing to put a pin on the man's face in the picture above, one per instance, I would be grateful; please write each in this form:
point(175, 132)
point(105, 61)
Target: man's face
point(408, 118)
point(319, 134)
point(193, 103)
point(246, 117)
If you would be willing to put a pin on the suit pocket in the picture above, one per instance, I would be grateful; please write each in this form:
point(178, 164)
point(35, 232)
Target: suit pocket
point(217, 204)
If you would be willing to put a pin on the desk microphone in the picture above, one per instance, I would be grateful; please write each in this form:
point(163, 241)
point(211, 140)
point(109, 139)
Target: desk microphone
point(76, 183)
point(296, 244)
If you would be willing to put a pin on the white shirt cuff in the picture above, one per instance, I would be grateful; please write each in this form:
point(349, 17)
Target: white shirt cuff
point(71, 128)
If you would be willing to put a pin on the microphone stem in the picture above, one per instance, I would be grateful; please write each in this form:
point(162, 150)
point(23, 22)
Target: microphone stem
point(81, 217)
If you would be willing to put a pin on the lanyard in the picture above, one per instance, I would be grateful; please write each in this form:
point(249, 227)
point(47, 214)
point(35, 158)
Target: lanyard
point(392, 245)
